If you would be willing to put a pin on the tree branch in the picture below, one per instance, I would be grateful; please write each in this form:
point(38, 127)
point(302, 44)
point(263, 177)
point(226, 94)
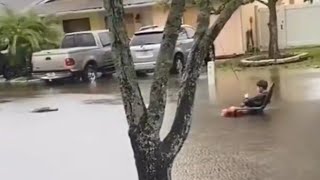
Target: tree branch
point(262, 2)
point(219, 9)
point(172, 144)
point(225, 15)
point(158, 94)
point(174, 141)
point(131, 95)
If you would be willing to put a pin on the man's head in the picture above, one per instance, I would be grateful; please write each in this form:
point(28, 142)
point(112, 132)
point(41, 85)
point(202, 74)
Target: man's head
point(262, 85)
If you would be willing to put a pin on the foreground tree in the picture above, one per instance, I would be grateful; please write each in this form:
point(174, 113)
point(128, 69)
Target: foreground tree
point(274, 51)
point(154, 157)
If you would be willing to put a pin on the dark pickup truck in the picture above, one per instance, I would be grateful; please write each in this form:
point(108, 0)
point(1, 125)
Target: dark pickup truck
point(5, 69)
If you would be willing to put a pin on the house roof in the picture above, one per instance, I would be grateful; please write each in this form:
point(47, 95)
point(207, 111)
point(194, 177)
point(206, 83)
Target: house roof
point(63, 6)
point(18, 5)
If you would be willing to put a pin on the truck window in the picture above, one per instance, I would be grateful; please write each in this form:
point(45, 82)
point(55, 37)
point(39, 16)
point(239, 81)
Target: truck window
point(105, 39)
point(78, 40)
point(85, 40)
point(68, 42)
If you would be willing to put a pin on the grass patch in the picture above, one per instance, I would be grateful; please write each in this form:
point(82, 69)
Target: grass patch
point(312, 62)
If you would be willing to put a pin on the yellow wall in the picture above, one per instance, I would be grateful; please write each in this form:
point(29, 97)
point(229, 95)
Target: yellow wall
point(159, 16)
point(96, 19)
point(190, 16)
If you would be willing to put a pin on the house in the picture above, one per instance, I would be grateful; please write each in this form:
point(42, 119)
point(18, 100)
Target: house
point(247, 28)
point(81, 15)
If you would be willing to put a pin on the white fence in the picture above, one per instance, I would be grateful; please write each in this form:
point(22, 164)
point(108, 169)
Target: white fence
point(297, 26)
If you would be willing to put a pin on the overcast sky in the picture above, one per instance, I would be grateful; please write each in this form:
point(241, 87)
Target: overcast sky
point(17, 4)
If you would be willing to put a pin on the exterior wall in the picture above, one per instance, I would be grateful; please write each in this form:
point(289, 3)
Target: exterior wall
point(229, 41)
point(159, 16)
point(96, 19)
point(296, 26)
point(301, 25)
point(247, 12)
point(141, 17)
point(190, 16)
point(251, 10)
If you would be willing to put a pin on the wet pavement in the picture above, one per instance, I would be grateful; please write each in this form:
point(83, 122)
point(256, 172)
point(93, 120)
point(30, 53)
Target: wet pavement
point(87, 137)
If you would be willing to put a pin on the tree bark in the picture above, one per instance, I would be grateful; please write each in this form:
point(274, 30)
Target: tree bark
point(145, 125)
point(274, 51)
point(158, 93)
point(150, 161)
point(134, 105)
point(154, 158)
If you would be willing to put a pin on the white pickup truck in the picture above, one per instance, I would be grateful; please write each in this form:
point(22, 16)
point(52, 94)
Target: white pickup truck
point(82, 54)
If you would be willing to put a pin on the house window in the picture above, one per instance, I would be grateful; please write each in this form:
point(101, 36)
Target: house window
point(76, 25)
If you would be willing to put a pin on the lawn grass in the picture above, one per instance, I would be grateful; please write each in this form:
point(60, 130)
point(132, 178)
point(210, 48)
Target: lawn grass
point(312, 62)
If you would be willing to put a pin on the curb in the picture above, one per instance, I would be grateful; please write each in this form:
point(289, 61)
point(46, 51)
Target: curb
point(251, 62)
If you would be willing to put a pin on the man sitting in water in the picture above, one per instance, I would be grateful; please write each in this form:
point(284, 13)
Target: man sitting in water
point(256, 101)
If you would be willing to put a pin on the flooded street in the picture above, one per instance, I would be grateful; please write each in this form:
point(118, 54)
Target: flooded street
point(87, 137)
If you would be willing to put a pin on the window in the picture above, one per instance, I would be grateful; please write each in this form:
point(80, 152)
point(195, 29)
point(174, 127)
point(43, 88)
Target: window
point(105, 39)
point(68, 42)
point(85, 40)
point(182, 35)
point(78, 40)
point(76, 25)
point(146, 38)
point(190, 32)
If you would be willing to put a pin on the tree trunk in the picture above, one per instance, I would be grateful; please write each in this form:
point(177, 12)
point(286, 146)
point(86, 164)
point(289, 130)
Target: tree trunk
point(151, 162)
point(158, 93)
point(134, 105)
point(274, 51)
point(154, 158)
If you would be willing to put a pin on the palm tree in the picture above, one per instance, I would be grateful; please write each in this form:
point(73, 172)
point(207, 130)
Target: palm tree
point(26, 33)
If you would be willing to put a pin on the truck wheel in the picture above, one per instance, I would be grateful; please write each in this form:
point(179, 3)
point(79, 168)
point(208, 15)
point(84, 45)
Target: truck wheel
point(9, 73)
point(90, 73)
point(178, 64)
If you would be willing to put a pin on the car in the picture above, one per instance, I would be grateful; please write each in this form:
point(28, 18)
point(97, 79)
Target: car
point(6, 70)
point(82, 55)
point(145, 46)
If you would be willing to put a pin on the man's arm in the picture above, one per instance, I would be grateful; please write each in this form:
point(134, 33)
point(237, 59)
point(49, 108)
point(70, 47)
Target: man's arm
point(254, 101)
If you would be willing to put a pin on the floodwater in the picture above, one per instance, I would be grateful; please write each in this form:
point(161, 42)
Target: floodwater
point(87, 137)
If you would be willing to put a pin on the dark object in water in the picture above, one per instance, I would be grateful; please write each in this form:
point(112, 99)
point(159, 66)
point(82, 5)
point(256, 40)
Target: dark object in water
point(2, 101)
point(44, 109)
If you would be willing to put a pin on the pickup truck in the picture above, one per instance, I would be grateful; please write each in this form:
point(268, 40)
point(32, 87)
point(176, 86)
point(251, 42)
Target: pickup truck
point(82, 55)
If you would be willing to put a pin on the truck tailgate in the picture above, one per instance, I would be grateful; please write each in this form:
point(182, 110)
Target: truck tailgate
point(49, 61)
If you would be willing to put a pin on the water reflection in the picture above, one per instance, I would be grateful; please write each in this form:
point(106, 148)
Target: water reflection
point(275, 78)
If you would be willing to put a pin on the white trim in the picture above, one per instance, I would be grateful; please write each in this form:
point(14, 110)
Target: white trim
point(98, 9)
point(36, 2)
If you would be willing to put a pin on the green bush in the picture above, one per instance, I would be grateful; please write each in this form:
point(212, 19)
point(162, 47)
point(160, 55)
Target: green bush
point(26, 33)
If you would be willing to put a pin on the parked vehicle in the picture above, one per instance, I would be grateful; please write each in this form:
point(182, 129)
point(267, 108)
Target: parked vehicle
point(6, 70)
point(82, 54)
point(145, 47)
